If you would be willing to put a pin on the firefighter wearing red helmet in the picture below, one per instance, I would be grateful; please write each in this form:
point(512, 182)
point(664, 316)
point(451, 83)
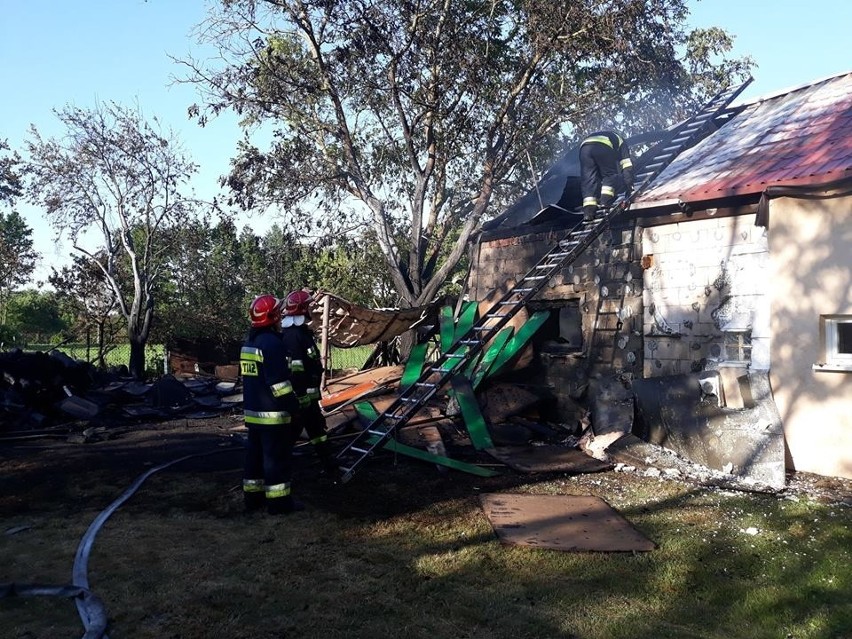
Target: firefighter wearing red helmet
point(270, 411)
point(307, 368)
point(297, 305)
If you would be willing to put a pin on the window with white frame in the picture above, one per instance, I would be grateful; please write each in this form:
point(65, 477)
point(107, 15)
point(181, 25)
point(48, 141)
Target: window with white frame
point(836, 336)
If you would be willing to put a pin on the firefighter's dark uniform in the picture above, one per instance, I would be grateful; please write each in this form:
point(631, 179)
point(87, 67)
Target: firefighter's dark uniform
point(603, 156)
point(270, 406)
point(306, 368)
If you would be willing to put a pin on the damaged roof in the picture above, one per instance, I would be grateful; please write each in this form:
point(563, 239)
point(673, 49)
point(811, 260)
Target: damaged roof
point(801, 137)
point(352, 325)
point(555, 195)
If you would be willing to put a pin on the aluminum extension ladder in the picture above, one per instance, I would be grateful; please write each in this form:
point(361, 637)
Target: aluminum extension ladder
point(648, 167)
point(469, 345)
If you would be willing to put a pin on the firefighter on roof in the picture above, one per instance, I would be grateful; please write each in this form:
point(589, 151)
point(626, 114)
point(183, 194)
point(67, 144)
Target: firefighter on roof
point(305, 364)
point(603, 156)
point(270, 407)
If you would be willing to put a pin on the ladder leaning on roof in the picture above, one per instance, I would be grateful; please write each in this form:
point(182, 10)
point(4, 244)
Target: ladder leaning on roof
point(470, 344)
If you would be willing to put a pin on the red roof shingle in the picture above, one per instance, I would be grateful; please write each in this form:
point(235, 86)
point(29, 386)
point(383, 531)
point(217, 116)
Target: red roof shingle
point(800, 137)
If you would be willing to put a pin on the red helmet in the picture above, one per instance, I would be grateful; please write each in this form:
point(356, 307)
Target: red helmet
point(265, 310)
point(297, 303)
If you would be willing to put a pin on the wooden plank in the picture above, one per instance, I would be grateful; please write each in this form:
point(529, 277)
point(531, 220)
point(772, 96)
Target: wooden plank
point(382, 375)
point(448, 328)
point(573, 523)
point(370, 413)
point(473, 420)
point(519, 340)
point(414, 365)
point(490, 356)
point(347, 396)
point(437, 459)
point(467, 317)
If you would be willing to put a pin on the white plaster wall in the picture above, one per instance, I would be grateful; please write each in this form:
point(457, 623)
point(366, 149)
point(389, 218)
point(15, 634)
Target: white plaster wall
point(811, 274)
point(707, 277)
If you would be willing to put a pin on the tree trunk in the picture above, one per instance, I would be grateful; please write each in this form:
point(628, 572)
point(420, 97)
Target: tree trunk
point(101, 347)
point(137, 358)
point(405, 343)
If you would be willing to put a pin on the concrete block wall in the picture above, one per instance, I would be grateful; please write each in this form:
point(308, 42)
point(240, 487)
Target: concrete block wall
point(706, 279)
point(504, 261)
point(599, 276)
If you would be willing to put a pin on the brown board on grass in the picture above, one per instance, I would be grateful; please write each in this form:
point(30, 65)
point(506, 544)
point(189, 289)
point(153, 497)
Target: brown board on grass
point(562, 522)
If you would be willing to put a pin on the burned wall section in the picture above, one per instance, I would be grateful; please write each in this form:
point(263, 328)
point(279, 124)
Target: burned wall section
point(706, 303)
point(684, 413)
point(707, 336)
point(600, 286)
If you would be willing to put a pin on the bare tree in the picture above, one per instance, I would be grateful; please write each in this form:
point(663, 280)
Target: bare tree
point(414, 116)
point(114, 181)
point(83, 292)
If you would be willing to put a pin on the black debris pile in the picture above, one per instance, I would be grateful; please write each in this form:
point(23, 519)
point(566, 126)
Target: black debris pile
point(49, 391)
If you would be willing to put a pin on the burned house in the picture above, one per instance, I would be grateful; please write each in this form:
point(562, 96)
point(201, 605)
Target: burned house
point(715, 318)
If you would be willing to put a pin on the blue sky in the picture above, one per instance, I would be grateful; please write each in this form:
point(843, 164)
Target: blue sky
point(57, 52)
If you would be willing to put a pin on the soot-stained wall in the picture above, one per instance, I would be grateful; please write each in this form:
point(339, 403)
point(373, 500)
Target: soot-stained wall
point(705, 296)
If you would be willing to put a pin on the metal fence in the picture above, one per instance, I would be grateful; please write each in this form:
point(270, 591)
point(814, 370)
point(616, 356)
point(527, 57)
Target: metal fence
point(114, 355)
point(347, 358)
point(117, 354)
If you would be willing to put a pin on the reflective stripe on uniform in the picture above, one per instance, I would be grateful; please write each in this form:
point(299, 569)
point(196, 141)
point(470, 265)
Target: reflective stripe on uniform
point(266, 417)
point(252, 485)
point(626, 163)
point(251, 354)
point(277, 490)
point(590, 201)
point(313, 393)
point(281, 388)
point(607, 190)
point(297, 366)
point(304, 401)
point(320, 439)
point(313, 353)
point(602, 139)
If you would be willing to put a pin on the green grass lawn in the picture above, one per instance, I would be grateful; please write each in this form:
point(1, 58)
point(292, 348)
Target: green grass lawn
point(405, 551)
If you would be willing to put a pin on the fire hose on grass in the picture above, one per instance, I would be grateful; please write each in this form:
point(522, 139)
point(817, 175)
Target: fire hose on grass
point(89, 606)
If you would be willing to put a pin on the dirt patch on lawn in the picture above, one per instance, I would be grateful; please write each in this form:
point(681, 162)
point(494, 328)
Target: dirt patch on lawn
point(53, 474)
point(58, 476)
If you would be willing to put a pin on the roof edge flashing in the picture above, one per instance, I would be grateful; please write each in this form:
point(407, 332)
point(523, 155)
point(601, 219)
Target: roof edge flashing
point(654, 204)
